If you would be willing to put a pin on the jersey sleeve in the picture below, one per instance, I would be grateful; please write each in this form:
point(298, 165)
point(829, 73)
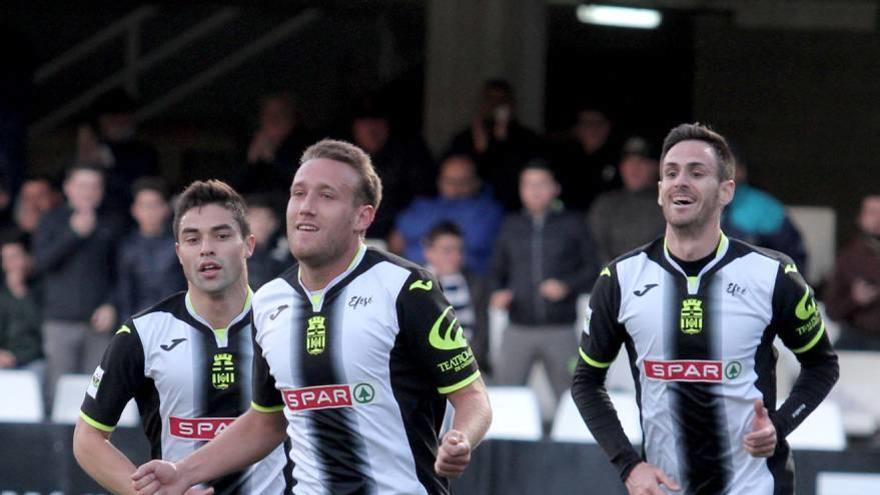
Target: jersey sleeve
point(265, 397)
point(603, 334)
point(795, 313)
point(433, 334)
point(116, 380)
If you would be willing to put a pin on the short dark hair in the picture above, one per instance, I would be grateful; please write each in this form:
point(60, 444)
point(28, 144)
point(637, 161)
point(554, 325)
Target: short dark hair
point(211, 192)
point(539, 164)
point(155, 184)
point(700, 132)
point(442, 228)
point(370, 190)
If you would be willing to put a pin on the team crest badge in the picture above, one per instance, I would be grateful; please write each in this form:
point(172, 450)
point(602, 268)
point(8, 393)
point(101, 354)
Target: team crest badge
point(316, 335)
point(691, 316)
point(222, 371)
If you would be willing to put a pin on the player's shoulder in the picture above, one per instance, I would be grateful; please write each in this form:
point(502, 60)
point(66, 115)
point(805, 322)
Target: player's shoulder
point(144, 321)
point(397, 273)
point(774, 259)
point(284, 282)
point(652, 251)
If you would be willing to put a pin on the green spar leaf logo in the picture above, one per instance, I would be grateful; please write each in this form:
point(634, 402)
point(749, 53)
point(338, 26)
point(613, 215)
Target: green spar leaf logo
point(363, 393)
point(732, 370)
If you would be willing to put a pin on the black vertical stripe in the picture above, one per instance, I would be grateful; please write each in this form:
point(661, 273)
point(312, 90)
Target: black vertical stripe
point(339, 446)
point(698, 412)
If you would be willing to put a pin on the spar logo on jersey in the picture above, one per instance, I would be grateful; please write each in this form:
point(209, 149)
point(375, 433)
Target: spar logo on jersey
point(198, 428)
point(328, 396)
point(316, 335)
point(685, 370)
point(691, 316)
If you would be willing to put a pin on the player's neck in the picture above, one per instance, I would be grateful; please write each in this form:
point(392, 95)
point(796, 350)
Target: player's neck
point(220, 309)
point(691, 245)
point(317, 277)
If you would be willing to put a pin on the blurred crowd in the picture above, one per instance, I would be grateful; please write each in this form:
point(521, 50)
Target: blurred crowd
point(506, 218)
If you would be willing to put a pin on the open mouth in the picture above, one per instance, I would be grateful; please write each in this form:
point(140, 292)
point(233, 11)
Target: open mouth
point(682, 201)
point(306, 227)
point(209, 267)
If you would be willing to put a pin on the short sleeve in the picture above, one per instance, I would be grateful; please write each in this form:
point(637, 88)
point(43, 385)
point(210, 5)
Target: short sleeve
point(266, 397)
point(795, 312)
point(603, 334)
point(116, 380)
point(433, 334)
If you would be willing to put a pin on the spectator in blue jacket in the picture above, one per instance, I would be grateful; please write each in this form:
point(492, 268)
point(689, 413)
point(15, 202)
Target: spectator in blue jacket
point(148, 266)
point(462, 200)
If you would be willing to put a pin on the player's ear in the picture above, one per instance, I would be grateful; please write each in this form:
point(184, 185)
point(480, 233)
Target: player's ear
point(250, 243)
point(659, 197)
point(364, 217)
point(726, 191)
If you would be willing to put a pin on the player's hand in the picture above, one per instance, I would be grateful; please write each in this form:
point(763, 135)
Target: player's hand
point(761, 441)
point(501, 299)
point(454, 454)
point(156, 476)
point(645, 479)
point(553, 289)
point(103, 318)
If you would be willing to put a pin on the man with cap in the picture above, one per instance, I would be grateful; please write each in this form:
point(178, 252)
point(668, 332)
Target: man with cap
point(626, 218)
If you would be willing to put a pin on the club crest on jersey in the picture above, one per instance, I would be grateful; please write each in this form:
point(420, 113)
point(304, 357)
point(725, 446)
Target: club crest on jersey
point(691, 316)
point(222, 371)
point(316, 335)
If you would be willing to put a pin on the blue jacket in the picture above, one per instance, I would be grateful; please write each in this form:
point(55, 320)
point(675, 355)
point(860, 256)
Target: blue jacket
point(479, 219)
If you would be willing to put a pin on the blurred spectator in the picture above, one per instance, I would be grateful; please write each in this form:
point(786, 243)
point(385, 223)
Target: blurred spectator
point(6, 221)
point(38, 195)
point(20, 342)
point(587, 159)
point(276, 146)
point(74, 249)
point(271, 255)
point(756, 217)
point(463, 201)
point(403, 163)
point(500, 145)
point(626, 218)
point(444, 251)
point(853, 289)
point(148, 267)
point(110, 142)
point(543, 259)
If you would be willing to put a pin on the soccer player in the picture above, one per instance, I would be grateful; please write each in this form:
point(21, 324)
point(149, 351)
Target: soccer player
point(358, 351)
point(698, 313)
point(187, 360)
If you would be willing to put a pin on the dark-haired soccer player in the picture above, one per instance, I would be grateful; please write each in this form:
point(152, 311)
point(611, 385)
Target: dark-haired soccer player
point(187, 360)
point(698, 313)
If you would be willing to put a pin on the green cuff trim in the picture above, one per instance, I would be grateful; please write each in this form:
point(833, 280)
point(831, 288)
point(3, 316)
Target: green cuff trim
point(460, 385)
point(592, 362)
point(264, 409)
point(812, 343)
point(94, 424)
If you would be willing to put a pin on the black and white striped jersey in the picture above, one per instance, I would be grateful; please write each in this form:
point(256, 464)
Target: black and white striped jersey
point(189, 381)
point(701, 352)
point(361, 370)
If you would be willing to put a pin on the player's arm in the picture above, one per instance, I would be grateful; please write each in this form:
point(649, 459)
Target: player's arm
point(112, 386)
point(599, 345)
point(437, 344)
point(800, 326)
point(100, 459)
point(248, 439)
point(473, 415)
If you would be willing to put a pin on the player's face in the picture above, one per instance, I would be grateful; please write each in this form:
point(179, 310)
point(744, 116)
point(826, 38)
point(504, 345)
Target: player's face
point(691, 193)
point(323, 221)
point(211, 249)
